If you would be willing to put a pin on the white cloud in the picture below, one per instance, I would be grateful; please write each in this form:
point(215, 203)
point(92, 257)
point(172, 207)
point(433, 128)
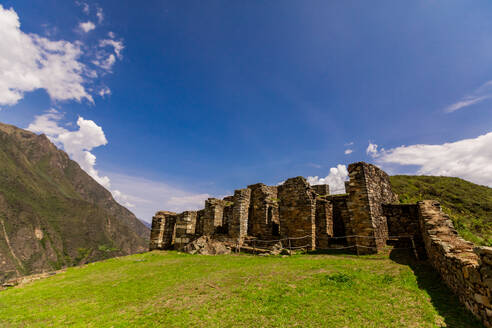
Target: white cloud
point(371, 149)
point(87, 26)
point(482, 93)
point(100, 15)
point(154, 196)
point(117, 46)
point(470, 159)
point(111, 35)
point(104, 92)
point(336, 179)
point(78, 144)
point(84, 5)
point(106, 60)
point(348, 151)
point(29, 62)
point(349, 143)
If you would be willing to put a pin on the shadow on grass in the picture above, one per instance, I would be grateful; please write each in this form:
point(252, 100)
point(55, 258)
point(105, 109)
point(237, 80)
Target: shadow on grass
point(442, 298)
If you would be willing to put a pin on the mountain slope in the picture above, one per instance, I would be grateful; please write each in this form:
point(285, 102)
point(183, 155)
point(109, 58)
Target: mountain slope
point(469, 205)
point(52, 213)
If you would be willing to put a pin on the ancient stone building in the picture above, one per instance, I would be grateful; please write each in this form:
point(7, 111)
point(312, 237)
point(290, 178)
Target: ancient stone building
point(365, 219)
point(308, 216)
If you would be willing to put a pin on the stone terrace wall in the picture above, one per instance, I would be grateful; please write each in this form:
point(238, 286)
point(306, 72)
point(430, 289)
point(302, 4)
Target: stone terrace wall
point(297, 210)
point(162, 233)
point(465, 269)
point(263, 210)
point(368, 189)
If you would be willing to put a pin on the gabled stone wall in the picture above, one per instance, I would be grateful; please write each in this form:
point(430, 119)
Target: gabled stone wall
point(369, 188)
point(297, 210)
point(466, 269)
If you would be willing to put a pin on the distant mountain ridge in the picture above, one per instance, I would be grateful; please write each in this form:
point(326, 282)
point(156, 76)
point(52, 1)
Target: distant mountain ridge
point(52, 213)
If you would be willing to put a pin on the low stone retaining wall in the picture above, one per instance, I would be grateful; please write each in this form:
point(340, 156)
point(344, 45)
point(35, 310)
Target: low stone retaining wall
point(466, 269)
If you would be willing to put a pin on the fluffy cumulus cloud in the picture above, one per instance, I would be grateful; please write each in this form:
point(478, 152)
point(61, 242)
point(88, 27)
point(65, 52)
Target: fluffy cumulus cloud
point(29, 62)
point(470, 159)
point(348, 151)
point(336, 179)
point(78, 144)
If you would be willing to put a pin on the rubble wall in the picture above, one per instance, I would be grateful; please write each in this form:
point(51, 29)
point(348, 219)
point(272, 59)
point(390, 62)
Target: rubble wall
point(466, 269)
point(297, 209)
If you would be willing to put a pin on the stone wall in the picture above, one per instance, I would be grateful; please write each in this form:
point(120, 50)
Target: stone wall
point(324, 223)
point(162, 232)
point(466, 269)
point(199, 223)
point(403, 220)
point(238, 228)
point(369, 188)
point(213, 216)
point(297, 210)
point(263, 213)
point(184, 228)
point(341, 219)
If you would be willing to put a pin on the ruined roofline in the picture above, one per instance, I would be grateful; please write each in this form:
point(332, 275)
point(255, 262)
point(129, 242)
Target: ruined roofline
point(260, 185)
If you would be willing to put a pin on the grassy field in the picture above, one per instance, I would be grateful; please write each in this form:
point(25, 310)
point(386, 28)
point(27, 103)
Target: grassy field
point(170, 289)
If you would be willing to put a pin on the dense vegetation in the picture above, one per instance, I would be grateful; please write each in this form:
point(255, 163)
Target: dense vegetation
point(171, 289)
point(469, 205)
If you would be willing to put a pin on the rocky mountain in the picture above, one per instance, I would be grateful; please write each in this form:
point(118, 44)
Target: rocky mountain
point(52, 213)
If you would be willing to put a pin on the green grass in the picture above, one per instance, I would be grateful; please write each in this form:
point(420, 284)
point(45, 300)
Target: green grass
point(469, 205)
point(170, 289)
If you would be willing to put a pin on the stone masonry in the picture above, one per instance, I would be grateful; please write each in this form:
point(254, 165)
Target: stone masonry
point(364, 219)
point(297, 212)
point(368, 188)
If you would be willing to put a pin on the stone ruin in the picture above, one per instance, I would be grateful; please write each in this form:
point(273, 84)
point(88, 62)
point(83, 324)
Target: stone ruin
point(366, 218)
point(307, 215)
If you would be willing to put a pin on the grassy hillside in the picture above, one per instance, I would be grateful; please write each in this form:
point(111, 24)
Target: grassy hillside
point(52, 214)
point(469, 205)
point(170, 289)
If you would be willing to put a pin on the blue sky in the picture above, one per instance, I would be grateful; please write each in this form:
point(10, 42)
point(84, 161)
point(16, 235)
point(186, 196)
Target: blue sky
point(210, 96)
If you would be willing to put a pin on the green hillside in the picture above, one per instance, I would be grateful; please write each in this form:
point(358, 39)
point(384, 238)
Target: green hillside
point(52, 214)
point(171, 289)
point(469, 205)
